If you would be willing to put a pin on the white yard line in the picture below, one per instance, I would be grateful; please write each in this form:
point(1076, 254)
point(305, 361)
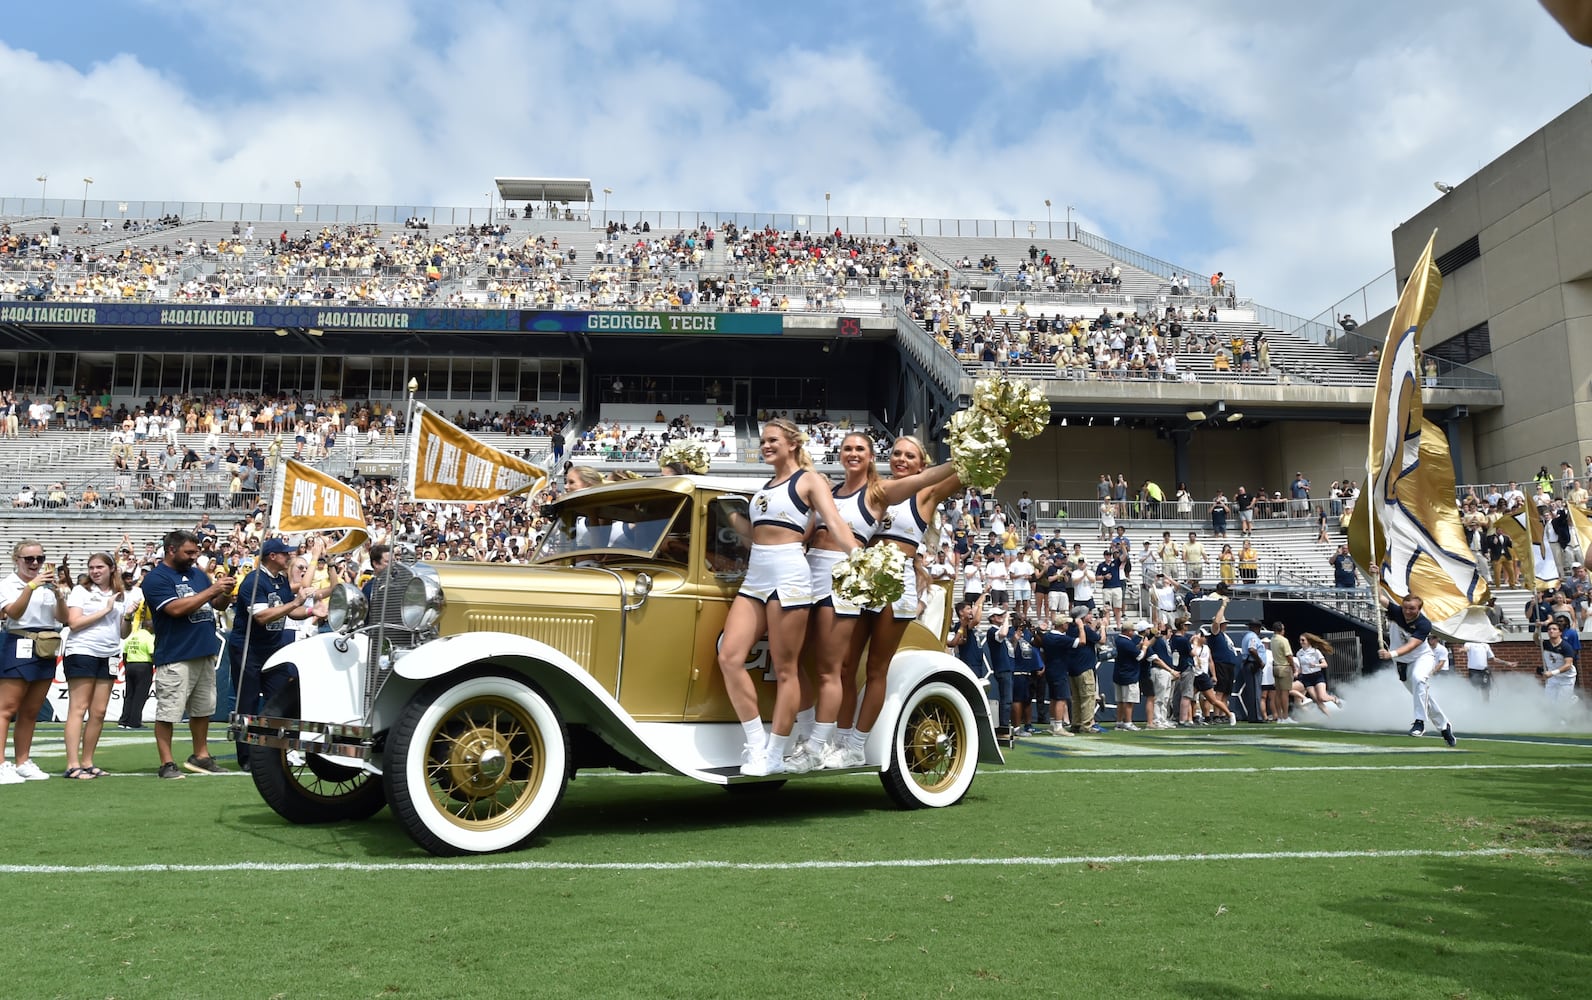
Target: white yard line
point(671, 866)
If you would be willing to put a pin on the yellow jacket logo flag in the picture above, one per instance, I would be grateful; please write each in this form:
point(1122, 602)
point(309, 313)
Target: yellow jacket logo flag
point(1407, 523)
point(446, 463)
point(309, 500)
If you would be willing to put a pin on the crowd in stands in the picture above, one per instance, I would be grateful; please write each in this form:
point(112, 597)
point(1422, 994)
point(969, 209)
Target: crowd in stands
point(244, 435)
point(1044, 272)
point(1120, 345)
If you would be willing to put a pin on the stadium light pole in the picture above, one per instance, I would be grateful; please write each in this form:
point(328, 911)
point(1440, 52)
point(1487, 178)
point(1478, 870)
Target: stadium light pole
point(1050, 232)
point(1069, 222)
point(86, 182)
point(44, 183)
point(606, 193)
point(827, 221)
point(298, 197)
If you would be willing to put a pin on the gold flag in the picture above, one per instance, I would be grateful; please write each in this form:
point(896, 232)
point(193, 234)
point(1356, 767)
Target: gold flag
point(1514, 526)
point(447, 464)
point(308, 500)
point(1407, 522)
point(1583, 526)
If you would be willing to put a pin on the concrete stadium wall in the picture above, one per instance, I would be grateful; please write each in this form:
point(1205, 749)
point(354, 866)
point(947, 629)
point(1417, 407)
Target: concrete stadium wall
point(1531, 212)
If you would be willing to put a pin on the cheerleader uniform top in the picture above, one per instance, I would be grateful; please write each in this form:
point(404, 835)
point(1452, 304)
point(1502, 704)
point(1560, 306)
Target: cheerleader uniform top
point(854, 513)
point(778, 504)
point(903, 523)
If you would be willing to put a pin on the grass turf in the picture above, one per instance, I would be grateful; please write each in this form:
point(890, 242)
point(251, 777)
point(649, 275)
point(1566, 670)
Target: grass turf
point(1064, 873)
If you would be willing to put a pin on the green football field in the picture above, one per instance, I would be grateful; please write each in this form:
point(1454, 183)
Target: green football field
point(1246, 862)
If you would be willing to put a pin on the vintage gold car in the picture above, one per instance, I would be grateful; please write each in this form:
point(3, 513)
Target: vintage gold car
point(464, 696)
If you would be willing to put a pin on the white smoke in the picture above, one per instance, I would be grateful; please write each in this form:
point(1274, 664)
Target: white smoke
point(1518, 703)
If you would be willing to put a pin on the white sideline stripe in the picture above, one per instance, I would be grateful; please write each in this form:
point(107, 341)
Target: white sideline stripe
point(995, 771)
point(1273, 770)
point(667, 866)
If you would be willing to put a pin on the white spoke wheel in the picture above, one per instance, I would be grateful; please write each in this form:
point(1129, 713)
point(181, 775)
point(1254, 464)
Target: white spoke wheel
point(476, 764)
point(306, 787)
point(934, 748)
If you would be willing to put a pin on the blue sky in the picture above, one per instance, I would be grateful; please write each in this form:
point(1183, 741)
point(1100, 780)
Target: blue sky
point(1280, 143)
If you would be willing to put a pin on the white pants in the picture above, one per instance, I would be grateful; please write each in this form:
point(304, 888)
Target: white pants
point(1164, 690)
point(1561, 689)
point(1419, 681)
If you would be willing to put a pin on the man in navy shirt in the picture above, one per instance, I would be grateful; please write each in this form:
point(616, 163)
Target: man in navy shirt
point(1133, 652)
point(1224, 655)
point(1342, 568)
point(1108, 577)
point(183, 600)
point(259, 628)
point(1183, 667)
point(1408, 630)
point(1055, 647)
point(1001, 644)
point(1082, 636)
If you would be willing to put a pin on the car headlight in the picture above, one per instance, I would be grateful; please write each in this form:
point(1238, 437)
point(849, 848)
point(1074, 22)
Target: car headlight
point(346, 608)
point(423, 603)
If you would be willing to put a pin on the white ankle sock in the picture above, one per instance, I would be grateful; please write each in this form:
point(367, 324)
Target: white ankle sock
point(754, 733)
point(823, 733)
point(804, 723)
point(778, 745)
point(859, 739)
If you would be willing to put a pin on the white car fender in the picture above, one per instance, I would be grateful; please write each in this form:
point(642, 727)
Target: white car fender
point(331, 680)
point(911, 668)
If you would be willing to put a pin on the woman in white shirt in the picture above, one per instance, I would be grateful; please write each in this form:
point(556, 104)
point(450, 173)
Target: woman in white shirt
point(98, 615)
point(1312, 676)
point(1205, 681)
point(34, 618)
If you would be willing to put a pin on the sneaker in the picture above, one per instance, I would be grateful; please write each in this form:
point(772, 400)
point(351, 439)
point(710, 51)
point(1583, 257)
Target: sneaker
point(800, 760)
point(749, 753)
point(203, 765)
point(1091, 729)
point(29, 771)
point(1448, 736)
point(763, 763)
point(9, 775)
point(1287, 721)
point(1127, 727)
point(837, 757)
point(1232, 720)
point(1417, 727)
point(170, 770)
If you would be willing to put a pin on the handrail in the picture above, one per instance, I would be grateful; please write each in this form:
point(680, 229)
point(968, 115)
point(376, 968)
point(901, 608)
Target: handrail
point(1142, 261)
point(936, 360)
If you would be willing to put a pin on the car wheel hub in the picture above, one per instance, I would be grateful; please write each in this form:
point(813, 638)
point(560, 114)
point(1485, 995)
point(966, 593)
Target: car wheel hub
point(478, 763)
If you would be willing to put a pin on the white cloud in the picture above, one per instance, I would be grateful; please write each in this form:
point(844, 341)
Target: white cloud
point(1277, 143)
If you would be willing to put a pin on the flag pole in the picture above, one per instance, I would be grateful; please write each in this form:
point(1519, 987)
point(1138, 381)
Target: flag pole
point(409, 437)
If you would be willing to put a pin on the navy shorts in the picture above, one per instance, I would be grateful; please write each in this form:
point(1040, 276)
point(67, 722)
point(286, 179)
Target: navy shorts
point(30, 669)
point(1021, 693)
point(1060, 684)
point(83, 665)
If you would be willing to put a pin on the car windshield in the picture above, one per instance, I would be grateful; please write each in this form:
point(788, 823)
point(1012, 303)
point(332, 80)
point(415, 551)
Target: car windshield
point(613, 525)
